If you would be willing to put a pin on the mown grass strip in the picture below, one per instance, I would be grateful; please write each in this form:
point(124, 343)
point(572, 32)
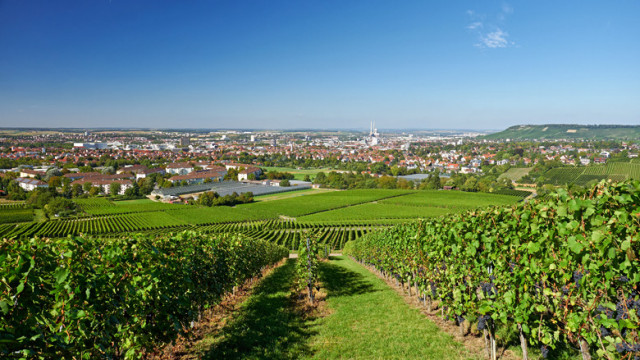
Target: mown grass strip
point(266, 327)
point(371, 321)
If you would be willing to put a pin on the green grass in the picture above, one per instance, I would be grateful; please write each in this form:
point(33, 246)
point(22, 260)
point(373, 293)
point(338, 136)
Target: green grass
point(370, 320)
point(365, 319)
point(265, 327)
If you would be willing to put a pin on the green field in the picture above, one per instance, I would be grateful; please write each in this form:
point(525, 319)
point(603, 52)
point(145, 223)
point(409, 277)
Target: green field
point(584, 175)
point(15, 214)
point(515, 174)
point(422, 204)
point(337, 216)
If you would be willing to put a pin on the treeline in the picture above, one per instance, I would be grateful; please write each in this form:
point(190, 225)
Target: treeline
point(212, 198)
point(464, 182)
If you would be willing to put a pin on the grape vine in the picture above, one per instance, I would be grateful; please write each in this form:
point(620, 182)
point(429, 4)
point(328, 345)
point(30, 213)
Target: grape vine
point(560, 270)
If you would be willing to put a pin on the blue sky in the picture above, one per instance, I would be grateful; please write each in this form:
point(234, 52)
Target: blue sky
point(318, 64)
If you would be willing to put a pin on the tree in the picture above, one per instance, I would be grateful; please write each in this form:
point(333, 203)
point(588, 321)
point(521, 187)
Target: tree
point(320, 178)
point(86, 186)
point(471, 184)
point(59, 206)
point(76, 190)
point(404, 184)
point(51, 172)
point(307, 178)
point(55, 182)
point(114, 188)
point(387, 182)
point(285, 183)
point(232, 174)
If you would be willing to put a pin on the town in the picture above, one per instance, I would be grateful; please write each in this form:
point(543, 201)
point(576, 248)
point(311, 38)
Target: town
point(175, 165)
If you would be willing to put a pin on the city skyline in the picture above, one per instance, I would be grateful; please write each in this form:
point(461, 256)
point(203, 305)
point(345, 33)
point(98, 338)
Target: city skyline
point(318, 65)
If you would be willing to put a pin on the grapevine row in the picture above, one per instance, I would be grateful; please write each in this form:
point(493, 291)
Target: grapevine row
point(563, 270)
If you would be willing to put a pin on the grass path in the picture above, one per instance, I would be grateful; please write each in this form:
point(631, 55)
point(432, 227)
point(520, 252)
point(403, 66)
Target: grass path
point(265, 327)
point(364, 319)
point(371, 321)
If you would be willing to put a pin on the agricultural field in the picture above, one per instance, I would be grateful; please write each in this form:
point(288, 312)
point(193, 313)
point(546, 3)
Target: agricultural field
point(615, 171)
point(15, 214)
point(422, 204)
point(515, 174)
point(337, 216)
point(451, 199)
point(305, 205)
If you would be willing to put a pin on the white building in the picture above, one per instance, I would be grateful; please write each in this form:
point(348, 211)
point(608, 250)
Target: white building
point(30, 184)
point(179, 168)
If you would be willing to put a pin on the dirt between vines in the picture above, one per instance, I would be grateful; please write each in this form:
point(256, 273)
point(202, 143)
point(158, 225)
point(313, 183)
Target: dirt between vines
point(186, 347)
point(472, 341)
point(212, 321)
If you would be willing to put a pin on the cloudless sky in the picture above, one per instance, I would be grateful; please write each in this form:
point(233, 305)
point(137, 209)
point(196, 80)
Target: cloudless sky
point(318, 63)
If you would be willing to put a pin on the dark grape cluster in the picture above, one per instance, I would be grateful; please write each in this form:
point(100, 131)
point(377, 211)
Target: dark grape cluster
point(624, 279)
point(434, 289)
point(544, 349)
point(577, 276)
point(460, 319)
point(488, 288)
point(483, 322)
point(623, 348)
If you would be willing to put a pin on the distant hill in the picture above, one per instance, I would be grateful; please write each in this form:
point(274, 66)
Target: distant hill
point(556, 132)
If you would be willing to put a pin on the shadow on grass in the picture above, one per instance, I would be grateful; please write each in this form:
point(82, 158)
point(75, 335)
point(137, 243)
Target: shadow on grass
point(265, 327)
point(340, 281)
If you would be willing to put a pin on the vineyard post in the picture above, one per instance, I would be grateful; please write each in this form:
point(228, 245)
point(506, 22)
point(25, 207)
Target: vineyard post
point(492, 334)
point(486, 342)
point(309, 284)
point(584, 350)
point(523, 343)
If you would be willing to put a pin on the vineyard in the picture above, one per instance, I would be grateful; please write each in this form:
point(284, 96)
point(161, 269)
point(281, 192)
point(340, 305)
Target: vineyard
point(338, 216)
point(15, 214)
point(615, 171)
point(562, 273)
point(92, 298)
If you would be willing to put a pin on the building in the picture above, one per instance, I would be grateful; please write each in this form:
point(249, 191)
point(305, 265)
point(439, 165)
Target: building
point(28, 173)
point(182, 168)
point(144, 173)
point(199, 177)
point(245, 173)
point(30, 184)
point(105, 184)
